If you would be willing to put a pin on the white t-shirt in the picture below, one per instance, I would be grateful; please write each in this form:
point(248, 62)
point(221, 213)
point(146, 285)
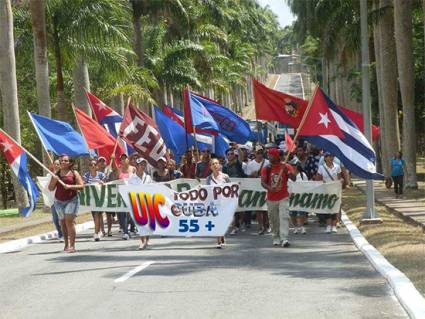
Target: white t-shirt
point(136, 180)
point(254, 166)
point(333, 171)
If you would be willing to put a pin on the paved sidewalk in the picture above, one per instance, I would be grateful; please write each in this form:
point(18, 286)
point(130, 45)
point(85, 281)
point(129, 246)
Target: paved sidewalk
point(411, 210)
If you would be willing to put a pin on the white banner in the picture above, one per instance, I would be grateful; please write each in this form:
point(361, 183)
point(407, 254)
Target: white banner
point(315, 197)
point(106, 198)
point(200, 211)
point(252, 196)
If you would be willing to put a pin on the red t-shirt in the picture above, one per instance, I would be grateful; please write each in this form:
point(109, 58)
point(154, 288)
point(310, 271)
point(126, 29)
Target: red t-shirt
point(277, 177)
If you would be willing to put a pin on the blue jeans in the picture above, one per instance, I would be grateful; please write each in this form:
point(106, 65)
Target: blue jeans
point(55, 218)
point(123, 219)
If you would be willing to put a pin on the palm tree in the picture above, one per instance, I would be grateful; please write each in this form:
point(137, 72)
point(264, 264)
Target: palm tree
point(40, 60)
point(388, 80)
point(403, 37)
point(80, 30)
point(8, 86)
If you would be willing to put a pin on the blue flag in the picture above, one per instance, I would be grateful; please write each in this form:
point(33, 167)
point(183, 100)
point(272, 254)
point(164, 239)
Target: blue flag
point(231, 125)
point(173, 134)
point(59, 137)
point(196, 115)
point(171, 126)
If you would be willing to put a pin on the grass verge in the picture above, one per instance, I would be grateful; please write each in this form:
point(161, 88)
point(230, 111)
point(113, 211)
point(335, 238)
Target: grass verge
point(39, 229)
point(402, 244)
point(11, 217)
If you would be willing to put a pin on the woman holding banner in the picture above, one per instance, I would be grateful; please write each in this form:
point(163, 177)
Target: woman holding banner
point(217, 177)
point(298, 217)
point(329, 172)
point(90, 177)
point(124, 172)
point(141, 177)
point(66, 199)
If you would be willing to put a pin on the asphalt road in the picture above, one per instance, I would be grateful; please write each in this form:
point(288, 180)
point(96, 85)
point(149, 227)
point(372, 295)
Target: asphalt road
point(320, 276)
point(290, 83)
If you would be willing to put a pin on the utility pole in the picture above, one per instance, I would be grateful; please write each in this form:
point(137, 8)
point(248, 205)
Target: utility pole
point(370, 215)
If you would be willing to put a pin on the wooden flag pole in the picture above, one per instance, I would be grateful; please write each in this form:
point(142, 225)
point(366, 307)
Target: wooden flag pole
point(32, 156)
point(116, 141)
point(303, 120)
point(79, 126)
point(256, 118)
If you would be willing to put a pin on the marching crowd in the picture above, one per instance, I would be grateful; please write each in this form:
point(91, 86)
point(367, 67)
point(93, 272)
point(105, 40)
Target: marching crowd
point(269, 162)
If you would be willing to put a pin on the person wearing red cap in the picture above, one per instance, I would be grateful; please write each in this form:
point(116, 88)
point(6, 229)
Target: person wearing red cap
point(274, 179)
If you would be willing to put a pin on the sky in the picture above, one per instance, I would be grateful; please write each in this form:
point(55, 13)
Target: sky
point(281, 9)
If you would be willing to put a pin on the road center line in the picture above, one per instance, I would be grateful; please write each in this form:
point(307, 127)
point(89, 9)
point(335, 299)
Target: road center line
point(134, 271)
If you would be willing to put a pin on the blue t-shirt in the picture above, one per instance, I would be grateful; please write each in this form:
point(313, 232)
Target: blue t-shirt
point(397, 167)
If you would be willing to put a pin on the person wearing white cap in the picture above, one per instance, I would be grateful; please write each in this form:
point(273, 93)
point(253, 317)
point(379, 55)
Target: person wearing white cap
point(141, 177)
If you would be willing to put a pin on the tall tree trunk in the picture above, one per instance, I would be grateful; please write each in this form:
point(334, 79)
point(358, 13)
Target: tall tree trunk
point(403, 37)
point(171, 96)
point(384, 155)
point(8, 87)
point(62, 112)
point(81, 82)
point(332, 78)
point(41, 63)
point(138, 8)
point(118, 103)
point(388, 79)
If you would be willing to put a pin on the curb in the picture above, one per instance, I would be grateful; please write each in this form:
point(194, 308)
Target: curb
point(406, 218)
point(18, 244)
point(406, 293)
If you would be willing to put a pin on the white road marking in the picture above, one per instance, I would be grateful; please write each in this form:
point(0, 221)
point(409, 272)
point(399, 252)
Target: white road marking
point(134, 271)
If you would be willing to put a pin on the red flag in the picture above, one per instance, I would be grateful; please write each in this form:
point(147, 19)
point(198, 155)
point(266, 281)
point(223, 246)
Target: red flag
point(290, 145)
point(357, 118)
point(97, 137)
point(141, 132)
point(273, 105)
point(319, 119)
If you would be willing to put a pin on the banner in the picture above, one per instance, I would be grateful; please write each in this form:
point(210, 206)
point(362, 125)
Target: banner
point(202, 211)
point(315, 197)
point(252, 196)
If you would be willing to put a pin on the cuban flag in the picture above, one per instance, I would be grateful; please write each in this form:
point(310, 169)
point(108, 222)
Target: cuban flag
point(108, 118)
point(329, 128)
point(17, 159)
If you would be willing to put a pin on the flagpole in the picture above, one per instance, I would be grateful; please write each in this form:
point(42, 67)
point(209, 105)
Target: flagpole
point(32, 156)
point(79, 127)
point(116, 140)
point(256, 118)
point(186, 100)
point(303, 119)
point(41, 140)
